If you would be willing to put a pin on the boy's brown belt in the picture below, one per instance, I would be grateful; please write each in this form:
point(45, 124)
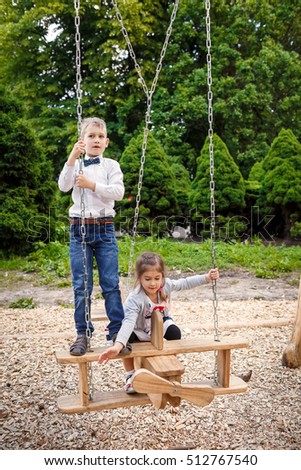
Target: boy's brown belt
point(91, 221)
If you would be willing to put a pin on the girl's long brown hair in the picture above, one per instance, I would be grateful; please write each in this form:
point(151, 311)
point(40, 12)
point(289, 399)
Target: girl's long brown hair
point(149, 260)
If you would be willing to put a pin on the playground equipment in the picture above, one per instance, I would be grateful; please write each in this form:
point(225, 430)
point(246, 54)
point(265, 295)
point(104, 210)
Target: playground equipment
point(158, 371)
point(158, 374)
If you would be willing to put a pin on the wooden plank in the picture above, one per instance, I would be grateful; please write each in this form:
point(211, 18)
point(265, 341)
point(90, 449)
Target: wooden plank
point(178, 346)
point(237, 385)
point(271, 323)
point(118, 398)
point(223, 367)
point(101, 401)
point(99, 317)
point(83, 383)
point(292, 354)
point(157, 329)
point(137, 362)
point(164, 366)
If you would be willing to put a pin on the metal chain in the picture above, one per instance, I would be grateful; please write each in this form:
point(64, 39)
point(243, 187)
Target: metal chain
point(149, 96)
point(212, 184)
point(79, 109)
point(82, 191)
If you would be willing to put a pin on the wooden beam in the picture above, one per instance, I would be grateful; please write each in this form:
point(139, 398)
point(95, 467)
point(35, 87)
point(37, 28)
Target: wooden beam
point(101, 401)
point(178, 346)
point(83, 383)
point(271, 323)
point(157, 329)
point(164, 366)
point(292, 354)
point(119, 399)
point(223, 367)
point(237, 385)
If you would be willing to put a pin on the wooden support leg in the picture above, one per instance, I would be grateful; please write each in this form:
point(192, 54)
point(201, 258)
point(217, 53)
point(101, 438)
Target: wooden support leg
point(83, 383)
point(171, 369)
point(292, 354)
point(159, 400)
point(157, 330)
point(223, 367)
point(137, 363)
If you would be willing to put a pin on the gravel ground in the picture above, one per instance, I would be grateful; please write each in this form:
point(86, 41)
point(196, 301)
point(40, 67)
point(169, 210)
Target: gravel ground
point(268, 416)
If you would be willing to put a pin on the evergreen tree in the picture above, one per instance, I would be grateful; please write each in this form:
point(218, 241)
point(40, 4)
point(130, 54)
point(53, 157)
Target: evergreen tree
point(229, 191)
point(183, 187)
point(254, 183)
point(26, 180)
point(158, 195)
point(281, 185)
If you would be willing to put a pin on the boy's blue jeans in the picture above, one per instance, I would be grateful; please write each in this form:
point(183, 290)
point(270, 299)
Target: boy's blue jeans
point(101, 244)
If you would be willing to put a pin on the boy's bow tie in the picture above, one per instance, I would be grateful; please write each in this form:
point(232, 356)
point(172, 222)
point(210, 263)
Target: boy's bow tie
point(91, 161)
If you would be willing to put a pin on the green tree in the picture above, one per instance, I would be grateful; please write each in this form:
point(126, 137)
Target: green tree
point(183, 187)
point(254, 183)
point(229, 190)
point(26, 180)
point(255, 66)
point(281, 185)
point(158, 195)
point(42, 70)
point(256, 79)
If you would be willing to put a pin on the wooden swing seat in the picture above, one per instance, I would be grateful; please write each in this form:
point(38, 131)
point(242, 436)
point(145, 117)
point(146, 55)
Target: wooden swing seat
point(147, 349)
point(163, 362)
point(71, 404)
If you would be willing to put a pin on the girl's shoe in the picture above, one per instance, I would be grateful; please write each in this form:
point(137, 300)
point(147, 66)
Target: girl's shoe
point(128, 388)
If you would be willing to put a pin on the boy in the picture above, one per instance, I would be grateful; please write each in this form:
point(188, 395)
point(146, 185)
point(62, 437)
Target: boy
point(94, 193)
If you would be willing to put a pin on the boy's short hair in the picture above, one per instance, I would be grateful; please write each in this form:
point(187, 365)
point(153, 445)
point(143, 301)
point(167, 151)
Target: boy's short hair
point(93, 120)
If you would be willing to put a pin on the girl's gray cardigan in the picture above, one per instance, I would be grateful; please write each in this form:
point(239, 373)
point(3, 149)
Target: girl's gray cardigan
point(137, 302)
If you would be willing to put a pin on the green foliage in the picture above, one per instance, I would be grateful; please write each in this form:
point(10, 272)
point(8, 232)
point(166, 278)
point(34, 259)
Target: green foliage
point(266, 261)
point(229, 184)
point(158, 196)
point(281, 185)
point(24, 302)
point(257, 172)
point(26, 181)
point(253, 184)
point(256, 72)
point(182, 188)
point(295, 230)
point(52, 261)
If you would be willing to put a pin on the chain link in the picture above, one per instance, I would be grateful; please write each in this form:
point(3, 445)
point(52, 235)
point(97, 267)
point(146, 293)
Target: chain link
point(149, 96)
point(212, 184)
point(79, 111)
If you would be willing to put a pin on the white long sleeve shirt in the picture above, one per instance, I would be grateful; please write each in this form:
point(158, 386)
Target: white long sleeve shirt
point(109, 188)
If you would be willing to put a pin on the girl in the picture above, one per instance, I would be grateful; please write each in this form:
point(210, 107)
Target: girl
point(151, 291)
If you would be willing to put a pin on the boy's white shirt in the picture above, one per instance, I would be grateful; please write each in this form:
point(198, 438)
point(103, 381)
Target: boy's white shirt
point(109, 187)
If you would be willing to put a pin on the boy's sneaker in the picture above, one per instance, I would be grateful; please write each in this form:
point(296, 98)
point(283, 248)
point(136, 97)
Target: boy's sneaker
point(128, 388)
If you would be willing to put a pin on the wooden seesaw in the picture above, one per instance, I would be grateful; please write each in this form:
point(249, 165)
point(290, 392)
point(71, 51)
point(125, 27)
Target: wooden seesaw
point(158, 372)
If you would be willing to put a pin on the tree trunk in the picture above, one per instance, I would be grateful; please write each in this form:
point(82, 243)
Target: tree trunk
point(292, 354)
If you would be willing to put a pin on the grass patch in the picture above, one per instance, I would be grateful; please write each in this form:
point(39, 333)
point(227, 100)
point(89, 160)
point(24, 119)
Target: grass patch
point(23, 303)
point(52, 261)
